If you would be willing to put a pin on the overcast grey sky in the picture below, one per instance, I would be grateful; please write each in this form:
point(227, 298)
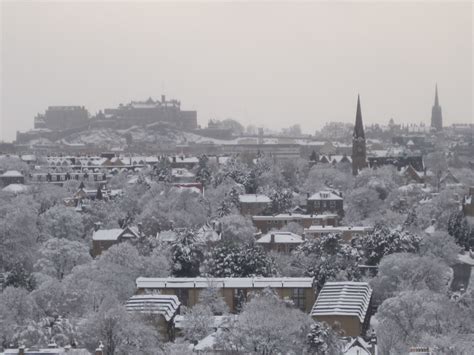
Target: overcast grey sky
point(272, 64)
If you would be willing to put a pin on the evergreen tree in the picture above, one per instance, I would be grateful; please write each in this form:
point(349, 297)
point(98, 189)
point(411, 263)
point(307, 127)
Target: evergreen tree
point(203, 174)
point(322, 340)
point(18, 276)
point(162, 170)
point(384, 241)
point(231, 260)
point(314, 157)
point(99, 195)
point(186, 255)
point(459, 228)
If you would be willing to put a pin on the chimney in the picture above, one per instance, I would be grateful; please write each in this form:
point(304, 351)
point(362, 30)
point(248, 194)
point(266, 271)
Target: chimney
point(163, 99)
point(174, 159)
point(272, 238)
point(373, 343)
point(100, 349)
point(97, 226)
point(140, 228)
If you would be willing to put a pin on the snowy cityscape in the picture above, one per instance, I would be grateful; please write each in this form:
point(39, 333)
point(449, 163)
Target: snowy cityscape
point(148, 227)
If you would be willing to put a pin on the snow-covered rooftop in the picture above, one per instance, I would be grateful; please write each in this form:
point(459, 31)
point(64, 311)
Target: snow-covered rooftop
point(254, 198)
point(182, 172)
point(229, 282)
point(339, 229)
point(166, 305)
point(325, 195)
point(346, 298)
point(357, 346)
point(294, 216)
point(12, 173)
point(15, 188)
point(280, 238)
point(114, 234)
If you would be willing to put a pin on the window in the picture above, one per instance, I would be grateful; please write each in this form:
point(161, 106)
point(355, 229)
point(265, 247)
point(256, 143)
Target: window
point(299, 298)
point(183, 295)
point(240, 297)
point(332, 204)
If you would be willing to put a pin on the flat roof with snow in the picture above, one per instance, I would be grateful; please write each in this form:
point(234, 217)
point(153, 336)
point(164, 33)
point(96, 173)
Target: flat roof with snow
point(229, 282)
point(254, 198)
point(294, 216)
point(280, 238)
point(345, 298)
point(339, 229)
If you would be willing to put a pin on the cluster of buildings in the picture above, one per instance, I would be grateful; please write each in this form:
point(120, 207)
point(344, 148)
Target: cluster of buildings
point(347, 304)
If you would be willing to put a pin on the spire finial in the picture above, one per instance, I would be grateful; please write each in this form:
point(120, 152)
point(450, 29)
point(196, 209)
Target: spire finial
point(436, 95)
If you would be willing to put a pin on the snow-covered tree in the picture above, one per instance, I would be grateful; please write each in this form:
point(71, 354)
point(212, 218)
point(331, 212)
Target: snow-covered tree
point(237, 228)
point(232, 260)
point(327, 258)
point(20, 276)
point(119, 332)
point(323, 340)
point(60, 222)
point(198, 322)
point(59, 256)
point(419, 317)
point(186, 255)
point(162, 171)
point(409, 272)
point(440, 245)
point(361, 204)
point(203, 173)
point(49, 195)
point(18, 232)
point(212, 297)
point(384, 241)
point(281, 201)
point(460, 230)
point(267, 325)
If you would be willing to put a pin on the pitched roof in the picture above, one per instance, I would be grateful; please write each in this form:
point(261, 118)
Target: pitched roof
point(345, 298)
point(166, 305)
point(12, 173)
point(15, 188)
point(357, 346)
point(115, 233)
point(325, 195)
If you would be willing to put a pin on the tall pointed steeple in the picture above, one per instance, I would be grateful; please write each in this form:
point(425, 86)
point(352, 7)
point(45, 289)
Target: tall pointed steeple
point(359, 160)
point(359, 126)
point(436, 113)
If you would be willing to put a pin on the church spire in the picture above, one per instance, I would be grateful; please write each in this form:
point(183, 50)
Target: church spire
point(359, 160)
point(436, 113)
point(359, 126)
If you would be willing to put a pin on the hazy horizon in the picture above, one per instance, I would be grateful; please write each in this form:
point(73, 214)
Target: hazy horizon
point(266, 64)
